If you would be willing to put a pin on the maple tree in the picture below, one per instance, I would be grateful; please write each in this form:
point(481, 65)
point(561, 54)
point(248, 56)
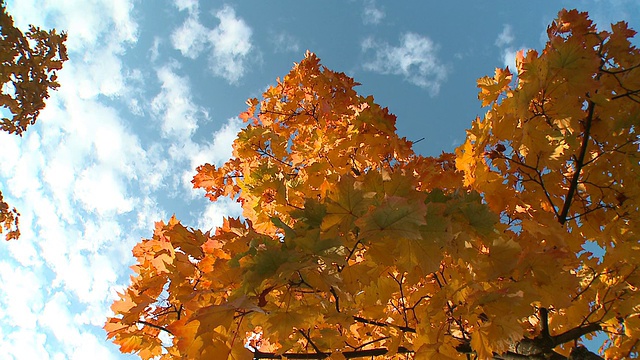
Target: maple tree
point(352, 245)
point(28, 64)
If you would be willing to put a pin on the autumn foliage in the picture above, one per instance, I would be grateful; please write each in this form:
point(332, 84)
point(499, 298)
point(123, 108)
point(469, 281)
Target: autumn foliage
point(352, 245)
point(28, 64)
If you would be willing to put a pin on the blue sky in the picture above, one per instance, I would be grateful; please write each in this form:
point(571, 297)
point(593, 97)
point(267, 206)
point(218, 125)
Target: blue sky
point(152, 90)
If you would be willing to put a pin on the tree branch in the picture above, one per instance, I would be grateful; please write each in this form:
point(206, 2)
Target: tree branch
point(378, 323)
point(544, 320)
point(315, 348)
point(346, 354)
point(573, 187)
point(146, 323)
point(575, 333)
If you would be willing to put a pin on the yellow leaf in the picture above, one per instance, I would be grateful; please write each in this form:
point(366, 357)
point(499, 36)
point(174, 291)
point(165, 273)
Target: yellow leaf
point(632, 326)
point(482, 344)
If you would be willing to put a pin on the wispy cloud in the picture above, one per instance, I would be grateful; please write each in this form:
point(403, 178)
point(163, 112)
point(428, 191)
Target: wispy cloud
point(606, 12)
point(371, 14)
point(505, 38)
point(229, 43)
point(415, 59)
point(283, 42)
point(154, 50)
point(505, 41)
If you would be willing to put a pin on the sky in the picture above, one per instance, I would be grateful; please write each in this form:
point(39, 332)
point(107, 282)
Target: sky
point(153, 89)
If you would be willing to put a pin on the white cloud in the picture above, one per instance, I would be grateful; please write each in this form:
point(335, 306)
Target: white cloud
point(174, 106)
point(56, 317)
point(149, 213)
point(509, 59)
point(25, 344)
point(92, 287)
point(158, 168)
point(606, 12)
point(215, 152)
point(229, 42)
point(70, 178)
point(214, 213)
point(179, 117)
point(90, 156)
point(191, 5)
point(120, 11)
point(190, 38)
point(25, 252)
point(100, 190)
point(105, 74)
point(20, 293)
point(415, 59)
point(76, 342)
point(219, 149)
point(86, 22)
point(372, 14)
point(25, 168)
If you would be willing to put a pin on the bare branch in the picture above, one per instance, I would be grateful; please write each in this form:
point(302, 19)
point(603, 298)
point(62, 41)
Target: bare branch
point(573, 187)
point(146, 323)
point(378, 323)
point(346, 354)
point(575, 333)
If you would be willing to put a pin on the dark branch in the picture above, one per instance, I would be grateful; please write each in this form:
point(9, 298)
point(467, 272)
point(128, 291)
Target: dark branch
point(575, 333)
point(346, 354)
point(146, 323)
point(335, 296)
point(573, 187)
point(544, 320)
point(315, 348)
point(378, 323)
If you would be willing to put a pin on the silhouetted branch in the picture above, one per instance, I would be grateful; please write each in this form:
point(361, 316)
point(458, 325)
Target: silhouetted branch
point(146, 323)
point(347, 354)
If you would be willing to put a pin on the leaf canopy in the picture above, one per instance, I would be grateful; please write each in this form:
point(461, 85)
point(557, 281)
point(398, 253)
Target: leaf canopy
point(352, 245)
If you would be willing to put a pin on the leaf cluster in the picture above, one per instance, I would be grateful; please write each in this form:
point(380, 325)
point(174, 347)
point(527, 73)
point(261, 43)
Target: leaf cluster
point(28, 64)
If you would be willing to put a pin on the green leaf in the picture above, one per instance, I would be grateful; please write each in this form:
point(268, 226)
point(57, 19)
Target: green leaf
point(344, 205)
point(212, 316)
point(289, 233)
point(395, 218)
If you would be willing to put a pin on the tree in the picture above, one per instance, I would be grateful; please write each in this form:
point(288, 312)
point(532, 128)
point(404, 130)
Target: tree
point(352, 245)
point(28, 64)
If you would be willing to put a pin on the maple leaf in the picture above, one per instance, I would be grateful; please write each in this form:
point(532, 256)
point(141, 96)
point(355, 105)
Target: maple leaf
point(394, 218)
point(213, 316)
point(481, 343)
